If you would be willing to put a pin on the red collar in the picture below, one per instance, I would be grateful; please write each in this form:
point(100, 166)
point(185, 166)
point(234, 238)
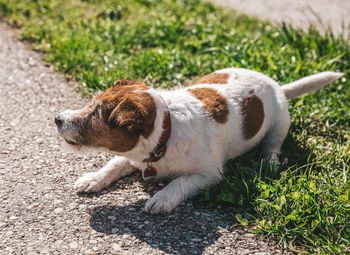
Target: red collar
point(159, 151)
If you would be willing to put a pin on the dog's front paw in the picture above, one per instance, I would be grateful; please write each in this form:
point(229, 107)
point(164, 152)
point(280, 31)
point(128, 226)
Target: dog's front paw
point(161, 203)
point(90, 182)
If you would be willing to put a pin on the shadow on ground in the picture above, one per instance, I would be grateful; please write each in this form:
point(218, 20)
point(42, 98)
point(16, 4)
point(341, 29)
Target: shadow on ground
point(185, 231)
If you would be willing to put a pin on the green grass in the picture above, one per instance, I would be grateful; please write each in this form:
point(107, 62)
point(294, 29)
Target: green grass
point(167, 43)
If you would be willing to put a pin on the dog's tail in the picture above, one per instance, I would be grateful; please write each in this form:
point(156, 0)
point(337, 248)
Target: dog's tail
point(309, 84)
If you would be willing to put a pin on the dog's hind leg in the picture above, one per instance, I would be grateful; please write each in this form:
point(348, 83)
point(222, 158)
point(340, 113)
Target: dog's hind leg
point(275, 137)
point(165, 200)
point(96, 181)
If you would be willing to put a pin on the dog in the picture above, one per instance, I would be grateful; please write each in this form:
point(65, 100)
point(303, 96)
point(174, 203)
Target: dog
point(185, 134)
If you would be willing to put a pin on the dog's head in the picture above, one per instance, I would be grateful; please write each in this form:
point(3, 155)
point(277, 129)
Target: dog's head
point(114, 119)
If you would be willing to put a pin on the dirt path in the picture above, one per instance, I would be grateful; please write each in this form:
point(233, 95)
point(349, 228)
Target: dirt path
point(40, 213)
point(299, 13)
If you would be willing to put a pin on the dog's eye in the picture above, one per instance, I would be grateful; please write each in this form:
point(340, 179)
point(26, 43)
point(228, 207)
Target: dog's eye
point(95, 114)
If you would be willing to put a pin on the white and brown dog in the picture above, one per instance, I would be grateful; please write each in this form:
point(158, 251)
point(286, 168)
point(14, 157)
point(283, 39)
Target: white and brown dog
point(185, 134)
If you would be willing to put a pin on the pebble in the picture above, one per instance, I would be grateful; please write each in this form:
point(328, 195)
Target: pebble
point(9, 233)
point(116, 247)
point(83, 207)
point(58, 210)
point(44, 251)
point(73, 245)
point(72, 206)
point(126, 236)
point(58, 242)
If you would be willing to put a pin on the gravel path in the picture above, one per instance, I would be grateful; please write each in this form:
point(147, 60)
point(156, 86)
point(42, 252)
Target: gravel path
point(40, 213)
point(298, 13)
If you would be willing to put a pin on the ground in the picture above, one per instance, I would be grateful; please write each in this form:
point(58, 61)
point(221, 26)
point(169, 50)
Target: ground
point(298, 13)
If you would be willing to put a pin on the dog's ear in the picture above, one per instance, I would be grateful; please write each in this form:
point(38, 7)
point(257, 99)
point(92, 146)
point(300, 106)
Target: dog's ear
point(134, 114)
point(127, 83)
point(126, 115)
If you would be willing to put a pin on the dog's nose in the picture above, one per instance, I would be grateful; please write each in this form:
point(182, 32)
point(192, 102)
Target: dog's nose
point(58, 121)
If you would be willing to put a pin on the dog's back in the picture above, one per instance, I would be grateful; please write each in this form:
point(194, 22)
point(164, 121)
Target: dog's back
point(227, 112)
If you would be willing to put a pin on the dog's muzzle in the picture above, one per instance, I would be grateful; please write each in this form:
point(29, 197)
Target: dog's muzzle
point(59, 121)
point(66, 131)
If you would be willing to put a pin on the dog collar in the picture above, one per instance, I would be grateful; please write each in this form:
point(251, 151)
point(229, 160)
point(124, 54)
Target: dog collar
point(158, 152)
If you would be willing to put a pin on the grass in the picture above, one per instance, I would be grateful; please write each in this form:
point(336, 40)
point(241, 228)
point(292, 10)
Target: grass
point(168, 43)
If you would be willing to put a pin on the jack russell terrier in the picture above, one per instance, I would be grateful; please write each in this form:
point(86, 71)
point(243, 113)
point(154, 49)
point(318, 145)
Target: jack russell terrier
point(185, 134)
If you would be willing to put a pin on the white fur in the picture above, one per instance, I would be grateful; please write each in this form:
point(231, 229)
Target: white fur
point(199, 146)
point(309, 84)
point(68, 129)
point(95, 181)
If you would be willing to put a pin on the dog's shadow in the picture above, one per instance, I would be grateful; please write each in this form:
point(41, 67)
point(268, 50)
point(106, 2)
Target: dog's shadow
point(191, 227)
point(184, 231)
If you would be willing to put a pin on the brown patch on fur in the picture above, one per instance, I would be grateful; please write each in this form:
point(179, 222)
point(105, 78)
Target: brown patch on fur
point(213, 78)
point(123, 114)
point(252, 109)
point(215, 105)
